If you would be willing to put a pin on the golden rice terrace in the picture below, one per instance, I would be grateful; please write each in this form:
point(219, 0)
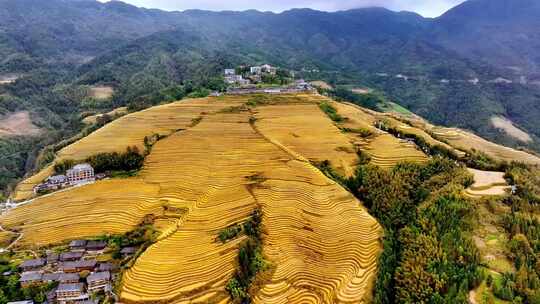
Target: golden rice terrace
point(222, 158)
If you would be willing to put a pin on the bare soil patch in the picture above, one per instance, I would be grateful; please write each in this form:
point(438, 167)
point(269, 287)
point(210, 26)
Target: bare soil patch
point(101, 92)
point(487, 183)
point(321, 84)
point(16, 124)
point(6, 79)
point(361, 91)
point(509, 128)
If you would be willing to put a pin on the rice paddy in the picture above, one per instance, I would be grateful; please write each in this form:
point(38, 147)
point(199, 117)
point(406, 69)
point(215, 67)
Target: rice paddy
point(487, 183)
point(467, 141)
point(322, 244)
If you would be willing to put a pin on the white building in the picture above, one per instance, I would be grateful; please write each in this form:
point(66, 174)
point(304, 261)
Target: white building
point(269, 69)
point(81, 174)
point(229, 72)
point(255, 70)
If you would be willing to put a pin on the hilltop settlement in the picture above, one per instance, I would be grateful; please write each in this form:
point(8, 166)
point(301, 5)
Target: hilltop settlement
point(263, 79)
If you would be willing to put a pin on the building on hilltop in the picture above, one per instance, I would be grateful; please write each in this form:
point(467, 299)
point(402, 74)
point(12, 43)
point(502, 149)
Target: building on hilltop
point(81, 174)
point(229, 72)
point(255, 70)
point(269, 69)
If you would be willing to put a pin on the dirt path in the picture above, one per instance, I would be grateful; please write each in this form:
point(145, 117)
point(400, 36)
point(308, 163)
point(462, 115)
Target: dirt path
point(12, 243)
point(472, 297)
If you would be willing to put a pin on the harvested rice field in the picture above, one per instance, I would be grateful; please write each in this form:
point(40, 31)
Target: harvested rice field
point(384, 149)
point(467, 141)
point(409, 129)
point(387, 151)
point(487, 183)
point(307, 133)
point(130, 130)
point(322, 244)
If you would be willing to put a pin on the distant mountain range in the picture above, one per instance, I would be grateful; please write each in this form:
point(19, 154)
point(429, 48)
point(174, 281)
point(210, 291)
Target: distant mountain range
point(477, 61)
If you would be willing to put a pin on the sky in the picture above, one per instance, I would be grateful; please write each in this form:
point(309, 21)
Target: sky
point(426, 8)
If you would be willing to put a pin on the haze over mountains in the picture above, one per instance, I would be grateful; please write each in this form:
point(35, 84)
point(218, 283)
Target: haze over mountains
point(475, 62)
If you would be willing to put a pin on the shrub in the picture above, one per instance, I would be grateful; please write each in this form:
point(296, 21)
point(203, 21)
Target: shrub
point(331, 112)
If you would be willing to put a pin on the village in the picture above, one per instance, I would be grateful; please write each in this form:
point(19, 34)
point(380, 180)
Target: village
point(264, 79)
point(80, 174)
point(82, 272)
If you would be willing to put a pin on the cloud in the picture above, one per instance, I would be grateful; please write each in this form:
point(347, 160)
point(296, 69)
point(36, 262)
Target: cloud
point(428, 8)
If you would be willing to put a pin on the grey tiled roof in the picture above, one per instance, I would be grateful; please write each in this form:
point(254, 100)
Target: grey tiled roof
point(71, 256)
point(77, 243)
point(30, 276)
point(70, 287)
point(96, 245)
point(99, 276)
point(33, 263)
point(78, 264)
point(53, 277)
point(68, 277)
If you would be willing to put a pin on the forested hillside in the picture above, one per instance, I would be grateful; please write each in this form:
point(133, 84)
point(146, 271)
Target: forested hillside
point(60, 48)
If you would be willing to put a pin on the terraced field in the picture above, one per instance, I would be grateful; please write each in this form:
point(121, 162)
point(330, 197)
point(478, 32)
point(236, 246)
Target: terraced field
point(467, 141)
point(308, 133)
point(386, 151)
point(409, 129)
point(130, 130)
point(322, 243)
point(487, 183)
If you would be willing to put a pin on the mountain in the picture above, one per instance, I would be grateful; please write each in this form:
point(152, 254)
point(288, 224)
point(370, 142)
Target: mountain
point(61, 47)
point(502, 33)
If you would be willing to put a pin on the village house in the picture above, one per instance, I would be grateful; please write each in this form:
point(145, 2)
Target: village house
point(30, 278)
point(71, 256)
point(128, 251)
point(69, 293)
point(256, 70)
point(81, 174)
point(78, 266)
point(69, 278)
point(78, 245)
point(98, 281)
point(52, 183)
point(105, 267)
point(269, 69)
point(96, 247)
point(52, 258)
point(51, 296)
point(34, 264)
point(50, 277)
point(229, 72)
